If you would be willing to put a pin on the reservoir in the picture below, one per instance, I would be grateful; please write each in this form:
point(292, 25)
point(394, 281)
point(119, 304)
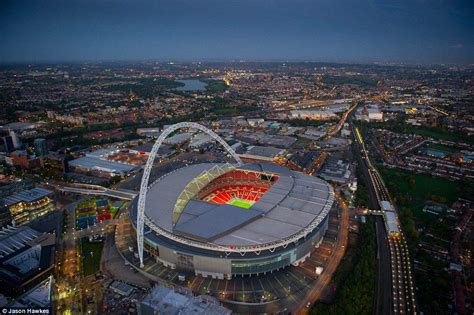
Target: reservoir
point(191, 85)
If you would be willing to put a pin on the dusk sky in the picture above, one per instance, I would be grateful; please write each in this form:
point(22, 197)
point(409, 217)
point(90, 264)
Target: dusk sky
point(319, 30)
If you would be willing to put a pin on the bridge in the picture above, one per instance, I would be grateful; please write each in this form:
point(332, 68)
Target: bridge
point(88, 189)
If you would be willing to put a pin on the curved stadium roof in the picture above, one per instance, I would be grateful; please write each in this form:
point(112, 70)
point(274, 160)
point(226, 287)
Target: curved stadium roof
point(293, 203)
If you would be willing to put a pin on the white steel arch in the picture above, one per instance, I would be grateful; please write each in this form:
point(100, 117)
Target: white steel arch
point(149, 165)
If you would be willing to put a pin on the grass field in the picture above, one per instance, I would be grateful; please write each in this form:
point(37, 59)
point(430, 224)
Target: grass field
point(442, 148)
point(241, 203)
point(90, 253)
point(420, 187)
point(413, 190)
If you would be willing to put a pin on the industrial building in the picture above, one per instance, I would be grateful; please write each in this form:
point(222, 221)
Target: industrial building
point(99, 164)
point(262, 153)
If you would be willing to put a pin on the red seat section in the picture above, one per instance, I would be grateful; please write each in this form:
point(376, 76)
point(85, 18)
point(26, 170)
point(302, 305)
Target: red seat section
point(247, 185)
point(225, 194)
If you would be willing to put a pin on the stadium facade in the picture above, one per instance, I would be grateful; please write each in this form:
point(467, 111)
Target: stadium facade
point(224, 220)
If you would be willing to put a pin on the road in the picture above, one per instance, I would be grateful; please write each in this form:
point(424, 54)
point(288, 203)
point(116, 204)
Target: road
point(402, 288)
point(334, 131)
point(67, 288)
point(383, 288)
point(333, 262)
point(383, 284)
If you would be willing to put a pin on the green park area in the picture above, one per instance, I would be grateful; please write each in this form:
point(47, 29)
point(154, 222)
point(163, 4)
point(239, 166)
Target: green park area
point(222, 106)
point(90, 256)
point(215, 85)
point(354, 277)
point(145, 87)
point(355, 80)
point(114, 210)
point(411, 191)
point(440, 147)
point(361, 198)
point(400, 126)
point(415, 189)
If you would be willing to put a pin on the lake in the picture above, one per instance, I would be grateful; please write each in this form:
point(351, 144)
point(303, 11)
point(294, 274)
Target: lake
point(191, 85)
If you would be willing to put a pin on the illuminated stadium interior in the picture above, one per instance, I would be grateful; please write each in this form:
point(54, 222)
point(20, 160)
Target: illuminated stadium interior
point(238, 188)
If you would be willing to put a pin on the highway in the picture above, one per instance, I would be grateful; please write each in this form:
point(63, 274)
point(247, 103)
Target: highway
point(341, 122)
point(383, 287)
point(402, 288)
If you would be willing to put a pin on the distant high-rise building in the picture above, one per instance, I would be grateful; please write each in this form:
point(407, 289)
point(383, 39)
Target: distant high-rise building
point(41, 149)
point(8, 143)
point(16, 140)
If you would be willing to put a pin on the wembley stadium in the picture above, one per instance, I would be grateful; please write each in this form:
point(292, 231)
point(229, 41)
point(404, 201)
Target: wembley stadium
point(226, 220)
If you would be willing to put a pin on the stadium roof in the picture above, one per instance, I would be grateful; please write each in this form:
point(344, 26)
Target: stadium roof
point(224, 217)
point(293, 202)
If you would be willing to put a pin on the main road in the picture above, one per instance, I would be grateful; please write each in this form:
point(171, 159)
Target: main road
point(398, 264)
point(339, 250)
point(383, 288)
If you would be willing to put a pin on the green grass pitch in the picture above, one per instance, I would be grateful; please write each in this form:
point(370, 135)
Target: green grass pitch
point(242, 203)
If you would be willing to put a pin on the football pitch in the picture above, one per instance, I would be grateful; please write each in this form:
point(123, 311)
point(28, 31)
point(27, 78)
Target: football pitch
point(242, 203)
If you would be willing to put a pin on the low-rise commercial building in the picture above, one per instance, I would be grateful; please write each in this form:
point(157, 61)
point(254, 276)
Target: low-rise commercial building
point(262, 153)
point(27, 205)
point(99, 163)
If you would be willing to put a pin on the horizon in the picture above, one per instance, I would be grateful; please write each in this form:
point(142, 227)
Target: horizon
point(231, 61)
point(408, 32)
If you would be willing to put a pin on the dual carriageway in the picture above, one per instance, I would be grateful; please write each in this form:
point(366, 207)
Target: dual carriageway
point(392, 250)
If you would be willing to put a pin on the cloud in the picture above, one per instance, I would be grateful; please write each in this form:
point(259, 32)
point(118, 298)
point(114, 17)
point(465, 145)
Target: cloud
point(457, 46)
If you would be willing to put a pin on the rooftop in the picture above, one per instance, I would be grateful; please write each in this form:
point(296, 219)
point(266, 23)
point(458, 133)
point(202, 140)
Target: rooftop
point(27, 196)
point(97, 163)
point(13, 238)
point(262, 151)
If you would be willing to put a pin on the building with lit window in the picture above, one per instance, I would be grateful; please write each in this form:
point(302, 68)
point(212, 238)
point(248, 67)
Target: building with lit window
point(27, 205)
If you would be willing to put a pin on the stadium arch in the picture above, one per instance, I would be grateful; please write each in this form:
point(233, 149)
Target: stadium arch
point(149, 166)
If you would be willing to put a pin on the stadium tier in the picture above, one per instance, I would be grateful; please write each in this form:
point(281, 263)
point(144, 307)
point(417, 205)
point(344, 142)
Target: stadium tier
point(228, 194)
point(221, 220)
